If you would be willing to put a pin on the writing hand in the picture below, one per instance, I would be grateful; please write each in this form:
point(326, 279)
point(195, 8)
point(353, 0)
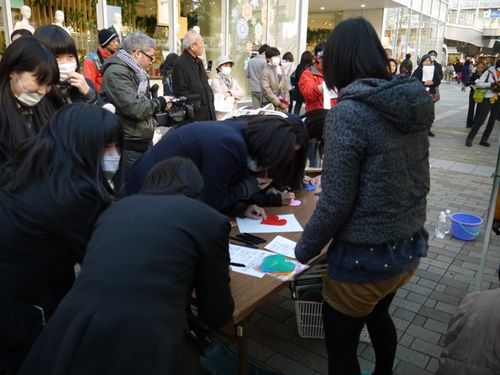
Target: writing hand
point(255, 212)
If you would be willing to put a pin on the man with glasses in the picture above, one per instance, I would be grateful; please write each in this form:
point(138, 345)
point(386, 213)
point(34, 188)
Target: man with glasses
point(125, 84)
point(189, 77)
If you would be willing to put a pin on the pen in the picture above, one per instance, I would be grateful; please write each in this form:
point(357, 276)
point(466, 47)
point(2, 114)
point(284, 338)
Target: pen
point(237, 264)
point(243, 244)
point(255, 237)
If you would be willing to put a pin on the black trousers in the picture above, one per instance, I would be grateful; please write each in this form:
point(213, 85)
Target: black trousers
point(342, 339)
point(472, 107)
point(482, 111)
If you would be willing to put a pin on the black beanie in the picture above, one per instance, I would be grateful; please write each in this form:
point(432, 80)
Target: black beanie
point(106, 36)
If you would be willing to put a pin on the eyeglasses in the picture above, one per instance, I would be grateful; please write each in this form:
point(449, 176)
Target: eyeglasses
point(151, 58)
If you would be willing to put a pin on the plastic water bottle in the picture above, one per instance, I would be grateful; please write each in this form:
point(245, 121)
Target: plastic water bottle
point(448, 221)
point(440, 231)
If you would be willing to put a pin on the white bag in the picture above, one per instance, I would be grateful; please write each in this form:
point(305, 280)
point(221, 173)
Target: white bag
point(223, 104)
point(328, 95)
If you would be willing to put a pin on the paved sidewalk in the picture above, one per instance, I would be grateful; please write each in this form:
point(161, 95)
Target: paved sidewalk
point(461, 180)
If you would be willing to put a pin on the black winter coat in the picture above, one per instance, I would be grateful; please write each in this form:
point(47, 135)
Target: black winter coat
point(126, 313)
point(189, 77)
point(40, 242)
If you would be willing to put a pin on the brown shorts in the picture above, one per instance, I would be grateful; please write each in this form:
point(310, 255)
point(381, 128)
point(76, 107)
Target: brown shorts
point(359, 299)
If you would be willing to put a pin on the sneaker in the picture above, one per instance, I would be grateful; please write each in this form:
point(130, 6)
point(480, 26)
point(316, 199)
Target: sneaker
point(365, 373)
point(484, 143)
point(431, 134)
point(468, 142)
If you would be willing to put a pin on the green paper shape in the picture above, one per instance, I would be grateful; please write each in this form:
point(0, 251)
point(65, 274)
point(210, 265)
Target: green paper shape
point(276, 263)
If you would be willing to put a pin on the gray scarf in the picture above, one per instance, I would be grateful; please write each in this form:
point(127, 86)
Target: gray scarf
point(139, 72)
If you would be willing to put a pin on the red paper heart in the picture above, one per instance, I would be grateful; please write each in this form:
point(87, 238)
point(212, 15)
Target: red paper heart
point(273, 220)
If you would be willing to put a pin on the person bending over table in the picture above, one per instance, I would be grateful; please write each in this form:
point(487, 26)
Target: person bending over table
point(230, 154)
point(127, 312)
point(53, 190)
point(281, 190)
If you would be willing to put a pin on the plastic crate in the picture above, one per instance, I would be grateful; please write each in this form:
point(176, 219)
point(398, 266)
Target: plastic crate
point(309, 314)
point(309, 319)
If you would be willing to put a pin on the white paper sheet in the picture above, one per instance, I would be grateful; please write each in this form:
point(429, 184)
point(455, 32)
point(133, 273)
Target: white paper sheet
point(282, 245)
point(246, 225)
point(427, 73)
point(252, 259)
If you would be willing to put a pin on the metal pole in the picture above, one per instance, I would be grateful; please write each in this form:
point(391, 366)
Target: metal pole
point(489, 221)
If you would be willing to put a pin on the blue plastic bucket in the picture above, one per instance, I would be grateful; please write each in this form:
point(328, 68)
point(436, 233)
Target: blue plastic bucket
point(465, 226)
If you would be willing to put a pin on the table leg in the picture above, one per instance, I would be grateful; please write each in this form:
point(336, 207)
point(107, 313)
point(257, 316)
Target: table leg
point(242, 345)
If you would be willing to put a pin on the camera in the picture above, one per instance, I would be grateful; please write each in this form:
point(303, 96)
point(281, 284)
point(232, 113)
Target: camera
point(181, 111)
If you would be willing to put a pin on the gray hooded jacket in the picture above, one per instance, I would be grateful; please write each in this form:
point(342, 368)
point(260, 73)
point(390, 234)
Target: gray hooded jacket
point(375, 175)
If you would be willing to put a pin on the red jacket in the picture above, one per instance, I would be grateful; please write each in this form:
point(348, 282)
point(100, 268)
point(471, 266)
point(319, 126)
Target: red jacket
point(309, 81)
point(92, 66)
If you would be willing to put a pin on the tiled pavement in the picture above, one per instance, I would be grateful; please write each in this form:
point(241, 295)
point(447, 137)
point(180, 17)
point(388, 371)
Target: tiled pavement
point(461, 181)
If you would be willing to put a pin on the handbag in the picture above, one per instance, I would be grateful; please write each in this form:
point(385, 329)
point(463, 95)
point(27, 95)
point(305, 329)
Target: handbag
point(478, 95)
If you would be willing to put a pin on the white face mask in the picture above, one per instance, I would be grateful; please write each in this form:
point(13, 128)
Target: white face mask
point(433, 58)
point(29, 99)
point(65, 69)
point(252, 165)
point(226, 70)
point(275, 60)
point(110, 165)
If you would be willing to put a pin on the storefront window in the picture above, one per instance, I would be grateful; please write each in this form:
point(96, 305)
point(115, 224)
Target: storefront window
point(206, 14)
point(254, 22)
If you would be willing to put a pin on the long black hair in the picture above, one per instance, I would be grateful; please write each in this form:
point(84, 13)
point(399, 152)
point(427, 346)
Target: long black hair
point(66, 153)
point(269, 139)
point(57, 40)
point(270, 142)
point(353, 51)
point(172, 176)
point(23, 55)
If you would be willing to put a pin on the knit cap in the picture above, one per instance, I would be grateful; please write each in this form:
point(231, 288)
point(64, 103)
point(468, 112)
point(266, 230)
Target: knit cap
point(106, 36)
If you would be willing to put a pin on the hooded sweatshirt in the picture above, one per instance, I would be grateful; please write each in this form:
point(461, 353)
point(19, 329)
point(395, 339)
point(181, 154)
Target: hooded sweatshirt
point(376, 170)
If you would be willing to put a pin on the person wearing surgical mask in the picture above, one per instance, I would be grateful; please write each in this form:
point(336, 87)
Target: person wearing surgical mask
point(28, 71)
point(72, 87)
point(274, 82)
point(227, 90)
point(54, 189)
point(438, 68)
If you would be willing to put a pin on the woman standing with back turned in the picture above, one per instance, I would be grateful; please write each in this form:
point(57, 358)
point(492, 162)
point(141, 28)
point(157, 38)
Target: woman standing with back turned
point(375, 181)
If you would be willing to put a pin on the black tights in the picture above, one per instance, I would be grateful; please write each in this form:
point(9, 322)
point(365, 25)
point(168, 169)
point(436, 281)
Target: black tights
point(342, 339)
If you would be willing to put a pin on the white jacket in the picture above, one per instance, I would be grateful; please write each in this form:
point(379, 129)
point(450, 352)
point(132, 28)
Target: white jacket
point(485, 81)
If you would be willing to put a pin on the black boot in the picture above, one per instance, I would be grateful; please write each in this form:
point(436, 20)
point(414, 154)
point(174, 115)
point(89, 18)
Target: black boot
point(484, 143)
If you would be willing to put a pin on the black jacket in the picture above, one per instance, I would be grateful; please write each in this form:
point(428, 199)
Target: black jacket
point(436, 81)
point(40, 242)
point(189, 77)
point(126, 313)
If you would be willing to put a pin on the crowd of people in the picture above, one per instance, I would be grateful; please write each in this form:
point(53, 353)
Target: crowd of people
point(81, 183)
